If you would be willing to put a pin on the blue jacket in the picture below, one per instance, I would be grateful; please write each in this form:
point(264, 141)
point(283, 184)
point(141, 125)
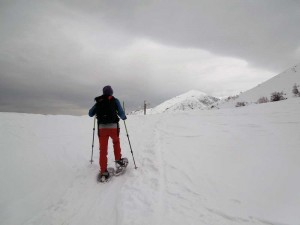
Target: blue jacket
point(120, 110)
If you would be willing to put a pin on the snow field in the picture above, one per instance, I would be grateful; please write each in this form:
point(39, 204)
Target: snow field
point(207, 167)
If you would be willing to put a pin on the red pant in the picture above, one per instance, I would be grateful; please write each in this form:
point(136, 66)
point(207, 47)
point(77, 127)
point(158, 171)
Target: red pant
point(104, 134)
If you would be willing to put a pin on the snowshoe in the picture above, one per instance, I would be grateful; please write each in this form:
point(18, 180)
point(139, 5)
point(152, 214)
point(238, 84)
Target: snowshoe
point(106, 175)
point(121, 166)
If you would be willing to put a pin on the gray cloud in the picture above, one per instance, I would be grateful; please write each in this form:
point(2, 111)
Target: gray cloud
point(56, 56)
point(265, 33)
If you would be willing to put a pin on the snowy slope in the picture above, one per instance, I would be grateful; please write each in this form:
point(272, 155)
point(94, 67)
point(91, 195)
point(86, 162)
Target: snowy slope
point(221, 167)
point(188, 101)
point(282, 82)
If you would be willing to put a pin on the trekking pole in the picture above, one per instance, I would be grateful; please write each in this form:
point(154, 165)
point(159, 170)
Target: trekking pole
point(93, 141)
point(129, 140)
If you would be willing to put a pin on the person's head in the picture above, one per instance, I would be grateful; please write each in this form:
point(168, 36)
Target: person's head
point(107, 90)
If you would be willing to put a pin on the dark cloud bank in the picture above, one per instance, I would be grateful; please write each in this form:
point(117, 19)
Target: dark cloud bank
point(56, 56)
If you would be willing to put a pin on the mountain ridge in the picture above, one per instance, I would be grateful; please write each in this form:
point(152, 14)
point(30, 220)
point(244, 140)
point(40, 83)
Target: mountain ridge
point(282, 82)
point(195, 99)
point(190, 100)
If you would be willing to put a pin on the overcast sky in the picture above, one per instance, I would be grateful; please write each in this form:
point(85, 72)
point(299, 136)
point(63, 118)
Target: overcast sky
point(56, 56)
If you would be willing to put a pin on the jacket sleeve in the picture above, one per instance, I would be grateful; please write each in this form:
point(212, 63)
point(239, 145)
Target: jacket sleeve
point(121, 112)
point(92, 111)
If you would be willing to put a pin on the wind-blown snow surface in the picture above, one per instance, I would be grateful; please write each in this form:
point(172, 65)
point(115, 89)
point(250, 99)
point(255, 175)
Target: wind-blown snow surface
point(206, 167)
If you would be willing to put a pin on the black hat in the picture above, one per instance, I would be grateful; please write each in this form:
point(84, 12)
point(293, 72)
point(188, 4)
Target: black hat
point(107, 90)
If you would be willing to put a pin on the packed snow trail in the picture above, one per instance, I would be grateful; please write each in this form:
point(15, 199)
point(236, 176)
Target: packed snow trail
point(229, 166)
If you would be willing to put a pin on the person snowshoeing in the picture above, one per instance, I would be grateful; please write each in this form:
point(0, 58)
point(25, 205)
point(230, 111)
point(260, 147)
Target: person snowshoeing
point(108, 110)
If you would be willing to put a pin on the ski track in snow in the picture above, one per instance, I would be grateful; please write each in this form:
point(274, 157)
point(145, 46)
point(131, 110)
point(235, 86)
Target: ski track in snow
point(146, 202)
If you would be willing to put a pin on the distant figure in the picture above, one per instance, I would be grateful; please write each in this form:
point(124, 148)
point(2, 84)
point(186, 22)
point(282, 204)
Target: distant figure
point(108, 110)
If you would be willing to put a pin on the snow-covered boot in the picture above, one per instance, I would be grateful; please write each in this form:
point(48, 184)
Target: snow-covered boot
point(121, 166)
point(123, 162)
point(104, 176)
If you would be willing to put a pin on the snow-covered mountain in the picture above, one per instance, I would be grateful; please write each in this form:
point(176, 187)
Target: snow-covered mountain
point(283, 82)
point(188, 101)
